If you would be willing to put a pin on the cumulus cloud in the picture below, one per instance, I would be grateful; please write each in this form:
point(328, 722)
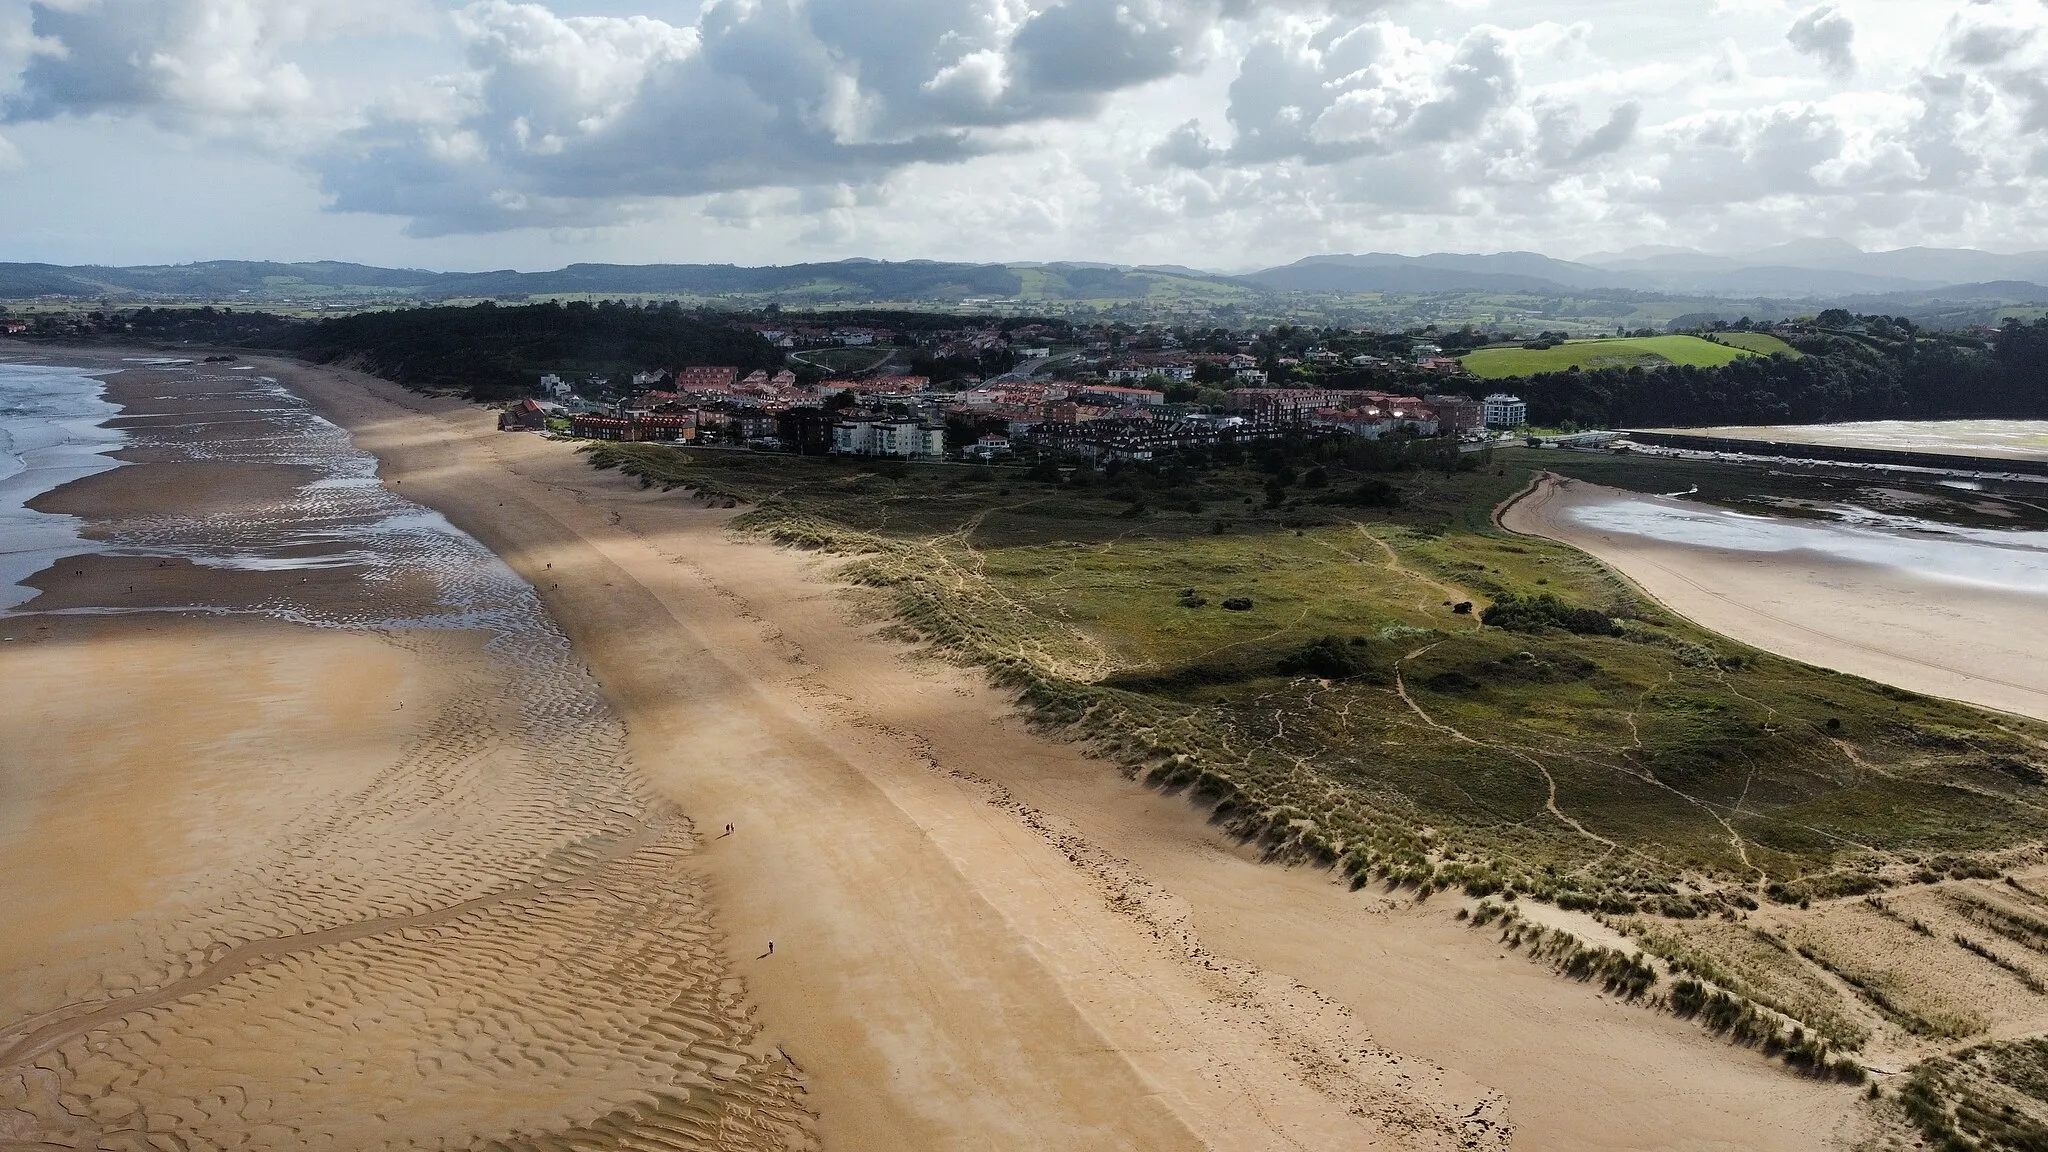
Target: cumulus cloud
point(588, 119)
point(184, 62)
point(1102, 126)
point(1825, 33)
point(1338, 94)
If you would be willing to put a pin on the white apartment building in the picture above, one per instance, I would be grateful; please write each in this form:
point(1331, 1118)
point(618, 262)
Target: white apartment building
point(905, 438)
point(1501, 410)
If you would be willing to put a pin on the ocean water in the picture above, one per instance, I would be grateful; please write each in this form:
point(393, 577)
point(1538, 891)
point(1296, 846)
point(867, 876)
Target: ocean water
point(51, 433)
point(2007, 560)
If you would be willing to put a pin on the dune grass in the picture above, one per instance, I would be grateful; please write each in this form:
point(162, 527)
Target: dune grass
point(1644, 351)
point(1352, 713)
point(1323, 678)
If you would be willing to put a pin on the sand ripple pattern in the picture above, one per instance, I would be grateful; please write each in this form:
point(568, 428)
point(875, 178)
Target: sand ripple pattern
point(496, 943)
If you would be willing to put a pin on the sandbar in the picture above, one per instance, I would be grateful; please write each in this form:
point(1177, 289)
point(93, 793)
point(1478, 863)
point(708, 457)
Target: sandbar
point(1943, 638)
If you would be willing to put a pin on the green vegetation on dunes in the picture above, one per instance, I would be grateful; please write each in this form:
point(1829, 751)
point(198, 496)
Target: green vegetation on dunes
point(1631, 352)
point(1351, 714)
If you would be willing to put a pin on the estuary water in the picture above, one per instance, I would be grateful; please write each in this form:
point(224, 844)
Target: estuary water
point(2008, 560)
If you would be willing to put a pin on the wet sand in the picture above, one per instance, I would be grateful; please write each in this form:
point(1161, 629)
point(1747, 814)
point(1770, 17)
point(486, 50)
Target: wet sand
point(316, 835)
point(1885, 623)
point(985, 938)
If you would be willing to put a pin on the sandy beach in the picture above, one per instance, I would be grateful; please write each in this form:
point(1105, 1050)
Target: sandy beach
point(987, 939)
point(317, 836)
point(334, 833)
point(1887, 623)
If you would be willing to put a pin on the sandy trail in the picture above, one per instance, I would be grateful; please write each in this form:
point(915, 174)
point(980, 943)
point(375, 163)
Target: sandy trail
point(985, 939)
point(1970, 644)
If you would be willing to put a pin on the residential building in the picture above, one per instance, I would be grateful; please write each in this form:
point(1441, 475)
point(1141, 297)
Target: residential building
point(590, 426)
point(1504, 411)
point(908, 439)
point(805, 430)
point(989, 448)
point(1116, 395)
point(525, 416)
point(1457, 413)
point(1105, 440)
point(706, 379)
point(1280, 401)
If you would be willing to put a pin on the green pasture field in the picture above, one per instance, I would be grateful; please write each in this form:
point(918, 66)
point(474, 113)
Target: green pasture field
point(1351, 715)
point(1645, 351)
point(1761, 343)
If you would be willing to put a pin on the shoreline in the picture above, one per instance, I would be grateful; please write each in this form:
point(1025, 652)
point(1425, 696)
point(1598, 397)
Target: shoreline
point(1019, 900)
point(1861, 619)
point(323, 839)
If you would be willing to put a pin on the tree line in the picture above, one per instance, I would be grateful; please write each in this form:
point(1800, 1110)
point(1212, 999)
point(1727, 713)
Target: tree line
point(1880, 368)
point(490, 352)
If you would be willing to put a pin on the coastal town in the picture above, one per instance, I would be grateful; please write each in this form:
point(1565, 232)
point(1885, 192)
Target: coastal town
point(1101, 395)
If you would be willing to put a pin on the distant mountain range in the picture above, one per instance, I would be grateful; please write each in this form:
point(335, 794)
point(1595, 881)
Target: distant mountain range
point(1818, 271)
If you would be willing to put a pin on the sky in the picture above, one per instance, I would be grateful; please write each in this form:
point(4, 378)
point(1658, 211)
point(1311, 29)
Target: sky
point(1219, 134)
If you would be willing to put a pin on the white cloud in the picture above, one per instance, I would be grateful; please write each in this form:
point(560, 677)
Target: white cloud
point(1823, 31)
point(210, 65)
point(588, 119)
point(1192, 131)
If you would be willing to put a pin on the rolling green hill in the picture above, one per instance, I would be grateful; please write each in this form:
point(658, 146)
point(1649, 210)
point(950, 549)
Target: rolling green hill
point(1761, 343)
point(1646, 351)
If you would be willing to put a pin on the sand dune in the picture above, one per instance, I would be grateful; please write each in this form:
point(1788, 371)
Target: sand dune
point(985, 939)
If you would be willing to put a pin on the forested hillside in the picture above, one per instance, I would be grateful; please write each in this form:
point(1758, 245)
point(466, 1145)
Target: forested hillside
point(492, 352)
point(1880, 369)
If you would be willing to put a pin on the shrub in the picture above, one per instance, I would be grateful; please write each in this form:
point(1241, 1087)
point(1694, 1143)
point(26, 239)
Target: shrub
point(1544, 610)
point(1368, 494)
point(1328, 658)
point(1238, 604)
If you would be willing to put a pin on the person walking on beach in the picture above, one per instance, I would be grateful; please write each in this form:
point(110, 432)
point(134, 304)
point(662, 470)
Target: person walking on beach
point(771, 947)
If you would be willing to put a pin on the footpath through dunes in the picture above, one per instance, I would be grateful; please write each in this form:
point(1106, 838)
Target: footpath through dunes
point(316, 835)
point(984, 938)
point(1950, 637)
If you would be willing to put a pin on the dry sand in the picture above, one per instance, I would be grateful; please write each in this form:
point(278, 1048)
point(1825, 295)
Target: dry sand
point(1943, 639)
point(985, 939)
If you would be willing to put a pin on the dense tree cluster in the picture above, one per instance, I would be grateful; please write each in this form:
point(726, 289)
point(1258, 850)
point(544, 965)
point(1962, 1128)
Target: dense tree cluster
point(1865, 368)
point(496, 353)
